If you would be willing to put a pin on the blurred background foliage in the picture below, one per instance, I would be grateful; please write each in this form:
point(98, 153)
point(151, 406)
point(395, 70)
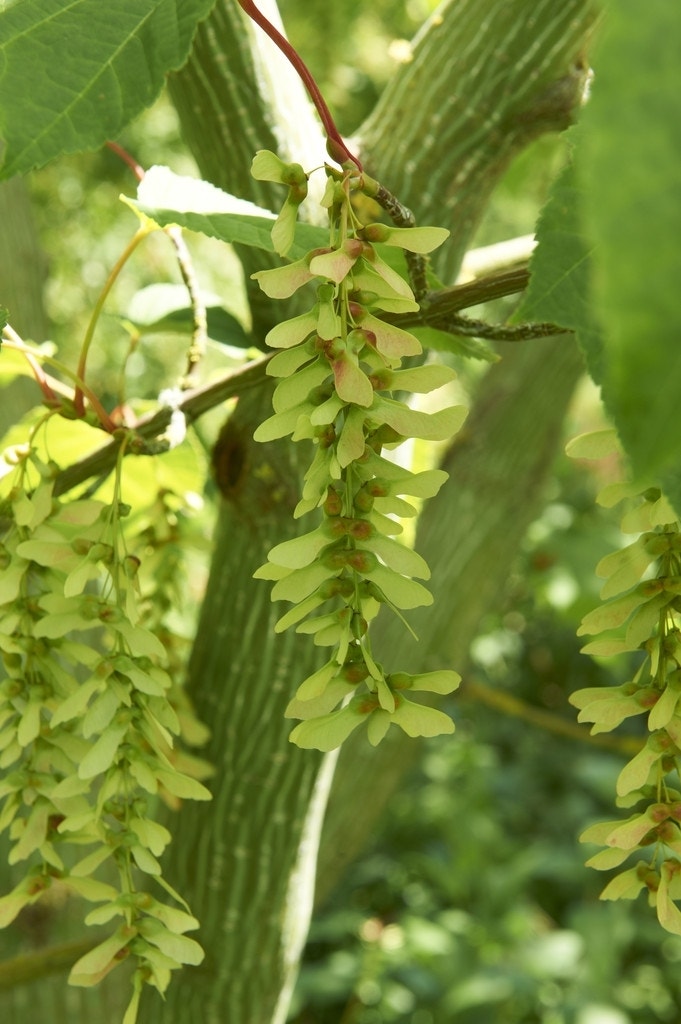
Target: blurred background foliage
point(472, 905)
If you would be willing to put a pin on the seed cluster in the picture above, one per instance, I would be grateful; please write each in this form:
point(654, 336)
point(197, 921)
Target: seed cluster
point(642, 613)
point(341, 375)
point(86, 728)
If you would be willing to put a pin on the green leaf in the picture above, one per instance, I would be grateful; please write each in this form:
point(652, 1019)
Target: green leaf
point(597, 444)
point(199, 206)
point(161, 308)
point(93, 67)
point(561, 267)
point(300, 583)
point(630, 153)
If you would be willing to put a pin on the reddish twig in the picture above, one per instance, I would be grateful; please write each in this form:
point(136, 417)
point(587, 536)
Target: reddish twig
point(136, 169)
point(337, 148)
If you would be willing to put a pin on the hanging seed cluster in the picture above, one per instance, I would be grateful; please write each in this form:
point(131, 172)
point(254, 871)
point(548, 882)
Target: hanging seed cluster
point(340, 377)
point(86, 729)
point(640, 614)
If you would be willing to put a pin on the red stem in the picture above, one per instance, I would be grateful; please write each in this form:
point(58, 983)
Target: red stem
point(136, 169)
point(337, 148)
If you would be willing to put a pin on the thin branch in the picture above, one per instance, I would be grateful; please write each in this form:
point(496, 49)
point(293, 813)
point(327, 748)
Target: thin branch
point(29, 967)
point(199, 316)
point(546, 720)
point(468, 327)
point(174, 233)
point(151, 427)
point(335, 145)
point(441, 309)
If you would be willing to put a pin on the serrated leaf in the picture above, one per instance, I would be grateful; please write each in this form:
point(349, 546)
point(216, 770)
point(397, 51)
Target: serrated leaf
point(630, 153)
point(164, 308)
point(170, 198)
point(118, 56)
point(561, 270)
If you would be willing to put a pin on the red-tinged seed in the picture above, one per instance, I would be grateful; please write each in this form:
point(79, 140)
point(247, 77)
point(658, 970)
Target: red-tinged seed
point(333, 503)
point(363, 501)
point(356, 673)
point(666, 832)
point(353, 247)
point(362, 561)
point(360, 529)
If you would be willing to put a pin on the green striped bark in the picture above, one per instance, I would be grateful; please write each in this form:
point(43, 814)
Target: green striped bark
point(486, 78)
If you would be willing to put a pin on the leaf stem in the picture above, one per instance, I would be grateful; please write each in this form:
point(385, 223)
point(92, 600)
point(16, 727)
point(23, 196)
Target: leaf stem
point(139, 235)
point(12, 340)
point(337, 148)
